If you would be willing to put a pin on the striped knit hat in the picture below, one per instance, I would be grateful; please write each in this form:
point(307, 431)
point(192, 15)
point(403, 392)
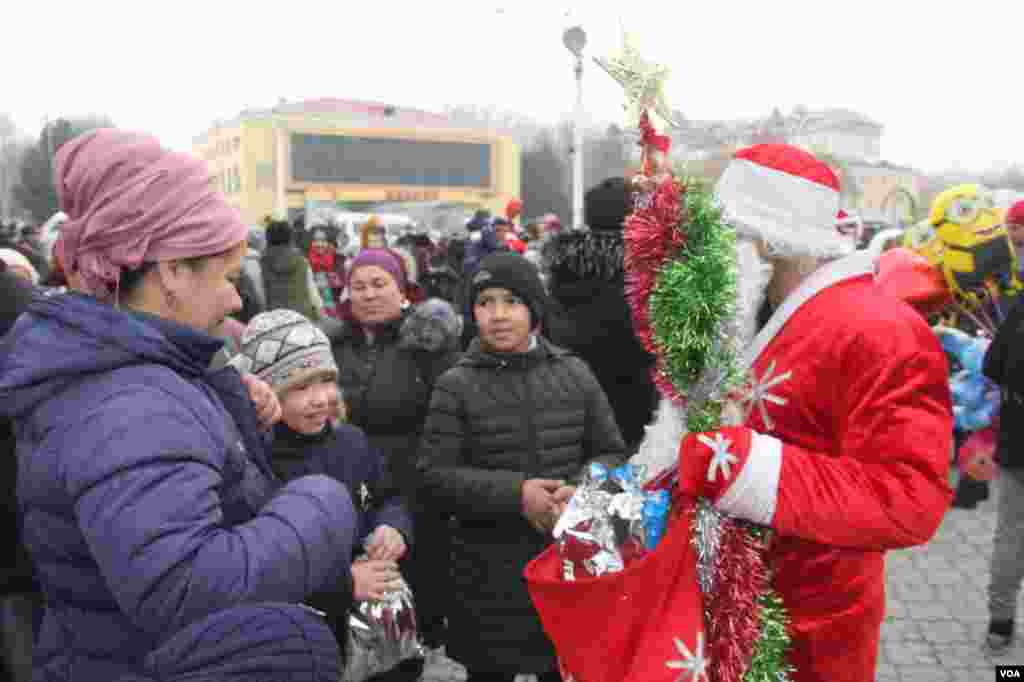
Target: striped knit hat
point(284, 348)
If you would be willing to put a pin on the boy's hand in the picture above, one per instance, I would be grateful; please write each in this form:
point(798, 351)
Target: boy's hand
point(268, 408)
point(385, 543)
point(539, 506)
point(561, 498)
point(373, 579)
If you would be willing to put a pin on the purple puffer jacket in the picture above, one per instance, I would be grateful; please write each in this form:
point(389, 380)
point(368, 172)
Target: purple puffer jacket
point(147, 500)
point(254, 643)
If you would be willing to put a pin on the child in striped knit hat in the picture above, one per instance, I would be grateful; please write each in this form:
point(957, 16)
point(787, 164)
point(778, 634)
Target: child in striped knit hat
point(294, 356)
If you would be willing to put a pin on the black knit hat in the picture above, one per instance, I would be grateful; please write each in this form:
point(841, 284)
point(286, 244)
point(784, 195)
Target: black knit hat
point(278, 232)
point(506, 270)
point(605, 206)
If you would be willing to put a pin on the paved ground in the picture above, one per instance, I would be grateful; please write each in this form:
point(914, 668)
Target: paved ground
point(937, 616)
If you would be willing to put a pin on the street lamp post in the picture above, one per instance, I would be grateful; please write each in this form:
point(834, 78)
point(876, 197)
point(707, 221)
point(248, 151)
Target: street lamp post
point(575, 39)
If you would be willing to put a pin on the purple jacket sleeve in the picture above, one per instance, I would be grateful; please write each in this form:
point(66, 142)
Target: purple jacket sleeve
point(145, 473)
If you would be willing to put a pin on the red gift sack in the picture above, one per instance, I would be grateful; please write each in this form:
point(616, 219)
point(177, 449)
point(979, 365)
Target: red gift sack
point(642, 624)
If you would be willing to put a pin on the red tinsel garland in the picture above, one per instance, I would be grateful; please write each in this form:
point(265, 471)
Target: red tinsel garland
point(735, 624)
point(653, 235)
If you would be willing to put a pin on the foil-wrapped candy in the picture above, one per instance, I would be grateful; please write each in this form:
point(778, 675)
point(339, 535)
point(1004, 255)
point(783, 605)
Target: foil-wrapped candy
point(381, 635)
point(609, 522)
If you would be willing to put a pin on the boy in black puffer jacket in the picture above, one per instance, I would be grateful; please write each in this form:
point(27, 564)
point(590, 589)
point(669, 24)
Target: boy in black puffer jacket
point(510, 425)
point(294, 356)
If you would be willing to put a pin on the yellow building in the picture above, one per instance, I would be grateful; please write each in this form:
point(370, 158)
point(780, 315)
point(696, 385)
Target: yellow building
point(354, 155)
point(886, 190)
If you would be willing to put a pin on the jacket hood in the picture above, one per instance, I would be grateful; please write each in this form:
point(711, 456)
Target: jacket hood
point(407, 330)
point(584, 255)
point(283, 259)
point(63, 339)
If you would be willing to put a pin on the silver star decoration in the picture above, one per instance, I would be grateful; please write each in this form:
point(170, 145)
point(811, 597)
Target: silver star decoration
point(721, 458)
point(692, 664)
point(760, 393)
point(643, 81)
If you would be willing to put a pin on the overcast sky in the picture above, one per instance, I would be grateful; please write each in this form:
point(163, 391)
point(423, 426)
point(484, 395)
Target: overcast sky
point(942, 82)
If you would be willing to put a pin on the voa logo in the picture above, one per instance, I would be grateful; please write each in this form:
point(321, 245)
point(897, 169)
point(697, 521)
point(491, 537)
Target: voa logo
point(1008, 673)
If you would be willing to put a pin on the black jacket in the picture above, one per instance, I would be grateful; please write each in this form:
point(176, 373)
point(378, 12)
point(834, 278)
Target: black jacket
point(1004, 365)
point(386, 387)
point(496, 421)
point(592, 319)
point(16, 572)
point(286, 280)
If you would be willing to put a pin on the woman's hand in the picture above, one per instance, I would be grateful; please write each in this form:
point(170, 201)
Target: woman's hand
point(372, 579)
point(268, 408)
point(386, 543)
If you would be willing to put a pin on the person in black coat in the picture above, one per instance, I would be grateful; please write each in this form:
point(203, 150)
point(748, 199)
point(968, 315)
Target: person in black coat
point(510, 427)
point(389, 354)
point(19, 592)
point(592, 318)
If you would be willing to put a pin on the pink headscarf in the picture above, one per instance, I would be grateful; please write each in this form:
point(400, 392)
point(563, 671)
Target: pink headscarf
point(131, 201)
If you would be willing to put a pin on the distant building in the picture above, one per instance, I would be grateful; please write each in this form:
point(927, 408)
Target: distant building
point(841, 133)
point(835, 132)
point(885, 191)
point(351, 155)
point(848, 140)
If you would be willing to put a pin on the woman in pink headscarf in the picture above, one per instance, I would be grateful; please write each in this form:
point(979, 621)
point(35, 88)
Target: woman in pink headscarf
point(147, 499)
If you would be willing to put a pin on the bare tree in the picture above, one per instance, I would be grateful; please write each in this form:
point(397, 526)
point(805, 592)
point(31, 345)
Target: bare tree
point(34, 191)
point(12, 148)
point(544, 178)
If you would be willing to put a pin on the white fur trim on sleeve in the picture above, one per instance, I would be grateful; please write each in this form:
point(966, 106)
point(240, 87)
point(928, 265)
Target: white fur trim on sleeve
point(752, 496)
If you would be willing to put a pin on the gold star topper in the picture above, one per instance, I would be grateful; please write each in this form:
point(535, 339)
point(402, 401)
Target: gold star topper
point(643, 82)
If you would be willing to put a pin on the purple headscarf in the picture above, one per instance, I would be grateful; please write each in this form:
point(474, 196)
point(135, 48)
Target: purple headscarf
point(131, 201)
point(386, 259)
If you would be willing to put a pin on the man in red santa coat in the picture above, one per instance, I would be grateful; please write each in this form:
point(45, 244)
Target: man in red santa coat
point(845, 426)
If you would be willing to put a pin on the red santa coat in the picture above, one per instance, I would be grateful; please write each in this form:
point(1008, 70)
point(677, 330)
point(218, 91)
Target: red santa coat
point(854, 385)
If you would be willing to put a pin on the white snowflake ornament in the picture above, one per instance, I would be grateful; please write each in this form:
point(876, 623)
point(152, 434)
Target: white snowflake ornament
point(694, 666)
point(721, 457)
point(759, 392)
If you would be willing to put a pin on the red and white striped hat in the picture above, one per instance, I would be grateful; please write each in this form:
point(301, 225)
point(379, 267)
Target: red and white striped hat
point(784, 196)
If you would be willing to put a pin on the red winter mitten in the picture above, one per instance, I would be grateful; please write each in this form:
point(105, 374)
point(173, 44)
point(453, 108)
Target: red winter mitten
point(735, 468)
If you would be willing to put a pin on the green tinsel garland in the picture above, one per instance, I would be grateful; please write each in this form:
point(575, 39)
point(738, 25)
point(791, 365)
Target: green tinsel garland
point(694, 295)
point(769, 661)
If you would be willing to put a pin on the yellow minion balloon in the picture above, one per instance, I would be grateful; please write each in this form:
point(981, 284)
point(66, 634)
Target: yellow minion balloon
point(965, 237)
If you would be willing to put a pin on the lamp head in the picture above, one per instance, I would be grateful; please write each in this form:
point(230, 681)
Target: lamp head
point(575, 39)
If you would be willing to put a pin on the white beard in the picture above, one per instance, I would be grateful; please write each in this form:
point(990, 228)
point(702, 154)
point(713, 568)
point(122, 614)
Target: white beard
point(660, 446)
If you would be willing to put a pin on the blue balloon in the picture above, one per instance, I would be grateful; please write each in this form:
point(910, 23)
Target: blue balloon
point(975, 400)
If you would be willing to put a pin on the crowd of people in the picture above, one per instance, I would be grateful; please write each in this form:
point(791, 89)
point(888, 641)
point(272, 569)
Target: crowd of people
point(222, 439)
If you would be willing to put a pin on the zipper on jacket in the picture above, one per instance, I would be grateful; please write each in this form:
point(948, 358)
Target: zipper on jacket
point(532, 469)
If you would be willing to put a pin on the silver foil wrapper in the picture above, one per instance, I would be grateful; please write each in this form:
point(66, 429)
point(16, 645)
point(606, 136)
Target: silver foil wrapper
point(381, 634)
point(589, 522)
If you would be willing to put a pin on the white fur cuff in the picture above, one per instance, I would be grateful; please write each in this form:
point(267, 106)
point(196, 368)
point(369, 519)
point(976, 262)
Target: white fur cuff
point(752, 496)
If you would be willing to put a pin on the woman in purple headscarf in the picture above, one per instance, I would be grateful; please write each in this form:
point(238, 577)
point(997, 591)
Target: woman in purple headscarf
point(147, 500)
